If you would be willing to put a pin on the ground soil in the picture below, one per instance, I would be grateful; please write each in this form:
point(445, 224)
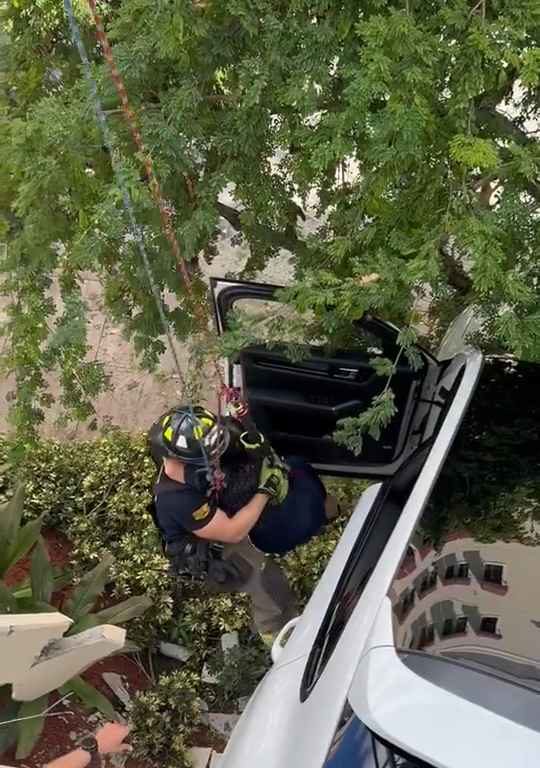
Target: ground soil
point(69, 723)
point(59, 549)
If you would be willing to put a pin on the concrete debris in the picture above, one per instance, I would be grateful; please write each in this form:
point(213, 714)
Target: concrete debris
point(208, 677)
point(242, 702)
point(229, 641)
point(220, 722)
point(175, 651)
point(116, 684)
point(200, 756)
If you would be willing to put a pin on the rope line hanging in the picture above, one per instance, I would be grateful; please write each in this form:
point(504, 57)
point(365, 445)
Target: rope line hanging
point(120, 179)
point(214, 472)
point(229, 394)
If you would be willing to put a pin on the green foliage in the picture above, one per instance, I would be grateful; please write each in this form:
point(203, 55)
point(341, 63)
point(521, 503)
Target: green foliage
point(351, 431)
point(41, 574)
point(98, 494)
point(8, 713)
point(473, 152)
point(29, 731)
point(16, 539)
point(89, 697)
point(237, 671)
point(92, 584)
point(163, 719)
point(381, 118)
point(201, 619)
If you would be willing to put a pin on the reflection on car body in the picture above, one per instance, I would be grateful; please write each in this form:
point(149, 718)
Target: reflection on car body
point(467, 588)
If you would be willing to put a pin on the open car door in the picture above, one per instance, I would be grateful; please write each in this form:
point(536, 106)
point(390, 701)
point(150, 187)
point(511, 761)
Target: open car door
point(298, 404)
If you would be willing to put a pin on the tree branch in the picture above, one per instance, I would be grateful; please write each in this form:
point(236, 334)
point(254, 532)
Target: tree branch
point(456, 274)
point(498, 123)
point(286, 239)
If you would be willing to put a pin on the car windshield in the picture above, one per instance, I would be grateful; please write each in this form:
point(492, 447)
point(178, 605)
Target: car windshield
point(355, 746)
point(467, 588)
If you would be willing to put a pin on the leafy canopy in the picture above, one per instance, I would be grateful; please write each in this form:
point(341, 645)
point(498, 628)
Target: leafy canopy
point(408, 129)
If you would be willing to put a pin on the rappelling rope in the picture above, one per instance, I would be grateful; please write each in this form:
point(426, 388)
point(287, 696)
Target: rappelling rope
point(227, 393)
point(165, 210)
point(120, 178)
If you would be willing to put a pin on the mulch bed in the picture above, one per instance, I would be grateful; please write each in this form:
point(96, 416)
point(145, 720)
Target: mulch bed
point(70, 722)
point(59, 549)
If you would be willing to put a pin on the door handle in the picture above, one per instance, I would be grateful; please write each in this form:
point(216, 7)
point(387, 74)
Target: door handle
point(346, 373)
point(279, 643)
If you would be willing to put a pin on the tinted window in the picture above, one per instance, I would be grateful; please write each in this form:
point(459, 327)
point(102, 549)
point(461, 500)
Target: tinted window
point(481, 533)
point(375, 533)
point(355, 746)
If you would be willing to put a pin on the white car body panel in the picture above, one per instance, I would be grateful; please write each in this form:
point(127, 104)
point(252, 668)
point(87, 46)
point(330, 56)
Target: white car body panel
point(277, 729)
point(275, 705)
point(387, 697)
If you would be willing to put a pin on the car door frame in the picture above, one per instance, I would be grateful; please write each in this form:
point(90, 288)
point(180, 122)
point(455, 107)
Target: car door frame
point(226, 292)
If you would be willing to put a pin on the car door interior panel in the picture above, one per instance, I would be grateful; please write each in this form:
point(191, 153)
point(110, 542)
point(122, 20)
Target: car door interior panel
point(298, 403)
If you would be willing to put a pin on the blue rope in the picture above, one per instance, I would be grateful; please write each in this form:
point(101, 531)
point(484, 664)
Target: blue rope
point(128, 204)
point(120, 177)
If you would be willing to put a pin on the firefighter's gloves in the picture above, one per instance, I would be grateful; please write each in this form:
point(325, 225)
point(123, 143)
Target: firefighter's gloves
point(274, 482)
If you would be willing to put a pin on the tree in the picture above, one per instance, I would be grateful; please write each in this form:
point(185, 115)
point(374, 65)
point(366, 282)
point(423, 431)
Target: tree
point(409, 128)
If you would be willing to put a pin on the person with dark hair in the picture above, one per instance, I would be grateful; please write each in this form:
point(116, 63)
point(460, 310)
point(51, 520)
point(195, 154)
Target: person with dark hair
point(222, 531)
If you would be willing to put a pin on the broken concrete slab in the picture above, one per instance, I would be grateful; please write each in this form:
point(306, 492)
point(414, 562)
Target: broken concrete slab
point(215, 759)
point(220, 722)
point(60, 660)
point(23, 637)
point(229, 641)
point(116, 684)
point(175, 651)
point(208, 677)
point(200, 756)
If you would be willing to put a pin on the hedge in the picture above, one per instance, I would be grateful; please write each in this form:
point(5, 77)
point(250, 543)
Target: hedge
point(97, 493)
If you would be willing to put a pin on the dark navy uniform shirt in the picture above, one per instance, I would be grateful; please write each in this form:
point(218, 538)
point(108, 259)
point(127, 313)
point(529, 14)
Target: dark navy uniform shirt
point(181, 508)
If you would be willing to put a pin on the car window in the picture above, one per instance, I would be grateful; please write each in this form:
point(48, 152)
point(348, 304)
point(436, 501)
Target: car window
point(368, 548)
point(270, 319)
point(355, 746)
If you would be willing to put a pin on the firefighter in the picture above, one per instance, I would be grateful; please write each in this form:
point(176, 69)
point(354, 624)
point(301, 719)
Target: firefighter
point(188, 441)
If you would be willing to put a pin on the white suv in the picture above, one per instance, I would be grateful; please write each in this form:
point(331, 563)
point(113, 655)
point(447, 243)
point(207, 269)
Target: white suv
point(420, 645)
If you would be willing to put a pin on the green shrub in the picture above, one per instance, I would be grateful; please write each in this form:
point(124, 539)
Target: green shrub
point(164, 718)
point(237, 671)
point(97, 493)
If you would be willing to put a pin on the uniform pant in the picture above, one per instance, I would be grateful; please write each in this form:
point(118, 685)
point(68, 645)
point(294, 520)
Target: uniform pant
point(273, 603)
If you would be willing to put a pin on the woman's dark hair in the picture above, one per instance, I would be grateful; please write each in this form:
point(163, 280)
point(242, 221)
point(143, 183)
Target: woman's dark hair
point(241, 469)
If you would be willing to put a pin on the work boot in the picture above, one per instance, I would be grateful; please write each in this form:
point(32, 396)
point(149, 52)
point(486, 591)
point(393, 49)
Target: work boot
point(331, 507)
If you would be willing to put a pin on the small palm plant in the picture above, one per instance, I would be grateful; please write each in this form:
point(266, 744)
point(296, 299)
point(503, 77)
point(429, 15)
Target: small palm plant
point(22, 723)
